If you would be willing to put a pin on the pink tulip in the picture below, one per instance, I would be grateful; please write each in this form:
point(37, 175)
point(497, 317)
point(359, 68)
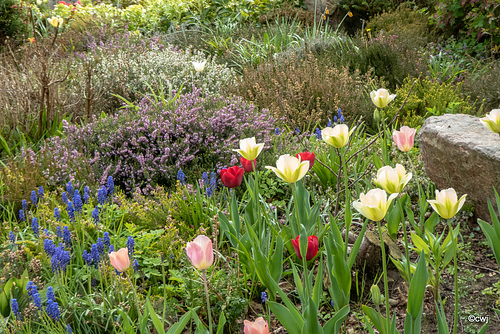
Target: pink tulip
point(259, 326)
point(200, 252)
point(404, 138)
point(120, 260)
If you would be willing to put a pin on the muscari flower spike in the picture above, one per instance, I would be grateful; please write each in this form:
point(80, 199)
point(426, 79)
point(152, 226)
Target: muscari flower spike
point(64, 198)
point(181, 177)
point(15, 308)
point(213, 181)
point(95, 215)
point(204, 177)
point(86, 194)
point(69, 189)
point(318, 134)
point(130, 246)
point(106, 241)
point(34, 199)
point(50, 294)
point(135, 264)
point(71, 211)
point(41, 192)
point(111, 185)
point(12, 237)
point(53, 310)
point(66, 236)
point(77, 201)
point(34, 226)
point(21, 215)
point(277, 131)
point(25, 205)
point(57, 215)
point(59, 232)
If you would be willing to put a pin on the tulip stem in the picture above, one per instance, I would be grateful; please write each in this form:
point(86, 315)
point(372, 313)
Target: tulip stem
point(208, 300)
point(455, 272)
point(384, 267)
point(135, 296)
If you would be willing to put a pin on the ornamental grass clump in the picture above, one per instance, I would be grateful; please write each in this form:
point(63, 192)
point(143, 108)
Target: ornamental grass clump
point(147, 143)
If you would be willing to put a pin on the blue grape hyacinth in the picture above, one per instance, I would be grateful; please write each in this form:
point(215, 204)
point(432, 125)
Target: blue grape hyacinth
point(181, 177)
point(77, 201)
point(67, 236)
point(57, 214)
point(95, 215)
point(15, 308)
point(21, 215)
point(12, 237)
point(131, 246)
point(53, 310)
point(69, 189)
point(41, 192)
point(35, 227)
point(34, 199)
point(111, 185)
point(86, 194)
point(71, 211)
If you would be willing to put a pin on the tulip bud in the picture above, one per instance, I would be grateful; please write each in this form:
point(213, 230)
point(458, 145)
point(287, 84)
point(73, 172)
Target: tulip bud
point(447, 203)
point(312, 247)
point(259, 326)
point(200, 252)
point(249, 149)
point(231, 177)
point(307, 156)
point(381, 97)
point(376, 295)
point(290, 169)
point(120, 260)
point(404, 138)
point(492, 121)
point(374, 204)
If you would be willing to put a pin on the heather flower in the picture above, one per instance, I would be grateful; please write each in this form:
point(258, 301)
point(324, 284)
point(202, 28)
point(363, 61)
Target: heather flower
point(53, 310)
point(95, 215)
point(69, 189)
point(110, 185)
point(130, 246)
point(21, 215)
point(66, 236)
point(135, 264)
point(86, 194)
point(12, 237)
point(71, 211)
point(64, 198)
point(34, 226)
point(15, 308)
point(77, 200)
point(57, 216)
point(181, 177)
point(59, 232)
point(41, 192)
point(106, 241)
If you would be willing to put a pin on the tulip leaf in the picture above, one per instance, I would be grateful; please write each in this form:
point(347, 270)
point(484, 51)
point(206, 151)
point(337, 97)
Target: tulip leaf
point(376, 318)
point(126, 326)
point(441, 319)
point(298, 282)
point(318, 284)
point(311, 322)
point(333, 325)
point(286, 318)
point(235, 215)
point(417, 290)
point(154, 317)
point(393, 220)
point(179, 326)
point(222, 323)
point(432, 221)
point(276, 265)
point(420, 244)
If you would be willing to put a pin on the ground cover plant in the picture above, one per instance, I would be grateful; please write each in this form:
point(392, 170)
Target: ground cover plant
point(241, 167)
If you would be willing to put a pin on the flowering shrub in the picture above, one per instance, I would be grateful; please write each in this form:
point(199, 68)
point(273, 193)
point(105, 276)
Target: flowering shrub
point(149, 142)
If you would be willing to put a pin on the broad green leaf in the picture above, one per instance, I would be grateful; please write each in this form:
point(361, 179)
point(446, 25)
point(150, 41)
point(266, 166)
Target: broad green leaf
point(417, 289)
point(156, 320)
point(420, 244)
point(376, 318)
point(286, 318)
point(179, 326)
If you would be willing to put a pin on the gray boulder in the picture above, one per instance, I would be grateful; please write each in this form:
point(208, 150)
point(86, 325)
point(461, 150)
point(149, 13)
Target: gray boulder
point(459, 152)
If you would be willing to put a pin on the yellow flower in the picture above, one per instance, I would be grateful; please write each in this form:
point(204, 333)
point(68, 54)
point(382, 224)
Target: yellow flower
point(368, 29)
point(350, 14)
point(392, 180)
point(249, 149)
point(374, 204)
point(32, 39)
point(323, 16)
point(337, 136)
point(327, 11)
point(446, 203)
point(290, 169)
point(56, 21)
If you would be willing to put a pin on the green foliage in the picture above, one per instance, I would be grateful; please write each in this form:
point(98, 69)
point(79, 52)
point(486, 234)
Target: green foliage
point(428, 98)
point(11, 23)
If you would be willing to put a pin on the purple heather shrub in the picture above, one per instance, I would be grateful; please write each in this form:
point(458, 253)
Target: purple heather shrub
point(148, 144)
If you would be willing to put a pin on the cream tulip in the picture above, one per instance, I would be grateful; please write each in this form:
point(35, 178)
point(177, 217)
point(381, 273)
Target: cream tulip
point(392, 180)
point(249, 149)
point(381, 97)
point(447, 203)
point(337, 136)
point(492, 121)
point(199, 66)
point(374, 204)
point(290, 169)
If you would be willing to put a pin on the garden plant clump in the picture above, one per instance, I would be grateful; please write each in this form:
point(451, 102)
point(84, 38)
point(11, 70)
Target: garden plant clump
point(243, 167)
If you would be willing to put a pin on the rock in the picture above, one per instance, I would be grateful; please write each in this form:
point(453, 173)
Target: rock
point(370, 255)
point(460, 152)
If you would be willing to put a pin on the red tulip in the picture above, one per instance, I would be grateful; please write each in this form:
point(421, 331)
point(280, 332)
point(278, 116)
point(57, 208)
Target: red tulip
point(312, 247)
point(307, 156)
point(232, 176)
point(247, 165)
